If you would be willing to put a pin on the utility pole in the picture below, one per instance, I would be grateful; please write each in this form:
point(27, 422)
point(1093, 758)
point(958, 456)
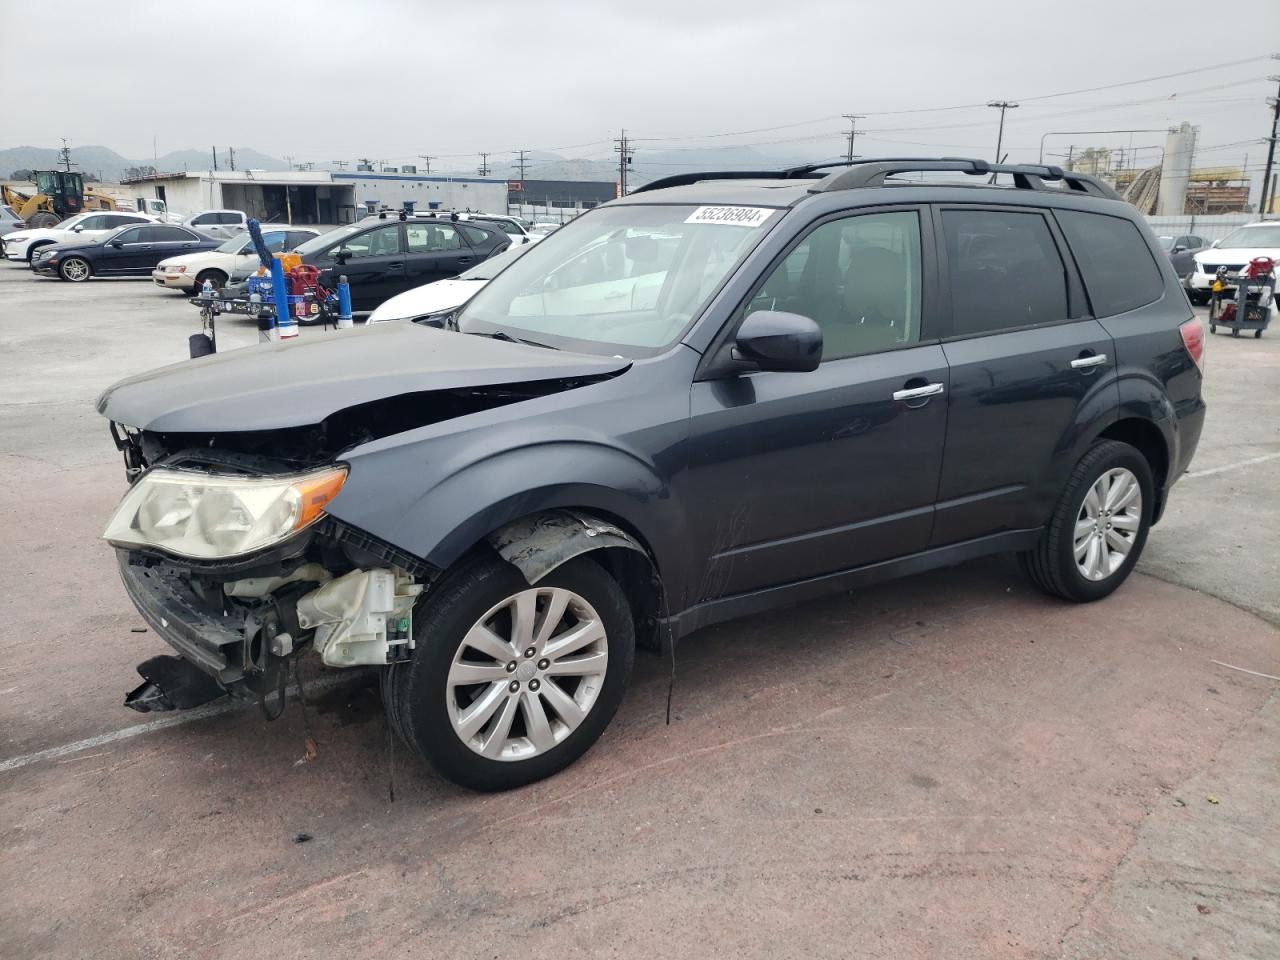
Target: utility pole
point(340, 164)
point(622, 147)
point(853, 119)
point(426, 160)
point(231, 157)
point(64, 155)
point(1268, 190)
point(288, 161)
point(215, 158)
point(483, 170)
point(1002, 106)
point(522, 161)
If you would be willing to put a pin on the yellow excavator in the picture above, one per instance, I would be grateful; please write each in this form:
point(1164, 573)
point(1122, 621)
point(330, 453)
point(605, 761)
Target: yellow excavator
point(59, 194)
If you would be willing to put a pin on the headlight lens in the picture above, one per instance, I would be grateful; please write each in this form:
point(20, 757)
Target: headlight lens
point(170, 268)
point(206, 517)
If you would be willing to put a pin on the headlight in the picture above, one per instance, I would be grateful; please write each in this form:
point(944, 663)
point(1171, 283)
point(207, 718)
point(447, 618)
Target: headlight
point(173, 269)
point(205, 516)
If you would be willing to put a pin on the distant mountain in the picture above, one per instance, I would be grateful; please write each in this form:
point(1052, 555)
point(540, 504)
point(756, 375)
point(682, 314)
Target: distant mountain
point(103, 161)
point(246, 159)
point(653, 164)
point(109, 165)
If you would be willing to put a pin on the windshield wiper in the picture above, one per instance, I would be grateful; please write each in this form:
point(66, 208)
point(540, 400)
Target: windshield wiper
point(503, 335)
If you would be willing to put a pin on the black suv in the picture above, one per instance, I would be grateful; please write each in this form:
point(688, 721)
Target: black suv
point(381, 257)
point(717, 395)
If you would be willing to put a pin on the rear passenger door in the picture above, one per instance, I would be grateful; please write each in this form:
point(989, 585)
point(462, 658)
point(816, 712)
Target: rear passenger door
point(434, 251)
point(1030, 369)
point(375, 265)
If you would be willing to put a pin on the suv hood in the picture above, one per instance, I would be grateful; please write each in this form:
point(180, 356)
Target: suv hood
point(1217, 255)
point(303, 382)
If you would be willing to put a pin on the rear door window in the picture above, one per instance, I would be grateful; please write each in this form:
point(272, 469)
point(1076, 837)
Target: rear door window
point(1005, 271)
point(1118, 270)
point(432, 238)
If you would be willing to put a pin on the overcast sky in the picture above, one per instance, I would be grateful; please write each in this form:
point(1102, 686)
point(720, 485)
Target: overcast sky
point(390, 79)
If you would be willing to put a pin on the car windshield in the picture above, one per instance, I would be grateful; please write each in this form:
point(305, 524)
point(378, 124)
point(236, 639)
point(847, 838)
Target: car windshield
point(1253, 237)
point(330, 239)
point(619, 280)
point(495, 264)
point(239, 243)
point(72, 221)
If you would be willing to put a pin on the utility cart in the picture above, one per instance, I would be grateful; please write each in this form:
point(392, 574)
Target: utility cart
point(1251, 306)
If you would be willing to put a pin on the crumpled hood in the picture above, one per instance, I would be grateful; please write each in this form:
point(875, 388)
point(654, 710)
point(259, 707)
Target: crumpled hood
point(302, 382)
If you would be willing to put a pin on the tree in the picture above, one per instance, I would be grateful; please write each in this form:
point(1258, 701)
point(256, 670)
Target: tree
point(23, 174)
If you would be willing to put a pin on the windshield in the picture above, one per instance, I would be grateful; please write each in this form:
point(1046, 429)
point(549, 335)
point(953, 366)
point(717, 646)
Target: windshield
point(1253, 237)
point(237, 244)
point(330, 239)
point(626, 279)
point(495, 264)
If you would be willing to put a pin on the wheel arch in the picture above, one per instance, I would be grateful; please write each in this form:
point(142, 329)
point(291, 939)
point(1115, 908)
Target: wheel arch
point(1147, 439)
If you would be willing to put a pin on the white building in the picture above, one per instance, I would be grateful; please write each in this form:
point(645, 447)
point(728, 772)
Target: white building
point(318, 197)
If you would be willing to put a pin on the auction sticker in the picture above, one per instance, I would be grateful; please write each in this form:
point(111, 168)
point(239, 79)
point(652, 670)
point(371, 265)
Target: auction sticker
point(734, 216)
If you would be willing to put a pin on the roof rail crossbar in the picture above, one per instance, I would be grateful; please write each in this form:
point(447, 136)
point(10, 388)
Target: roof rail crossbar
point(685, 179)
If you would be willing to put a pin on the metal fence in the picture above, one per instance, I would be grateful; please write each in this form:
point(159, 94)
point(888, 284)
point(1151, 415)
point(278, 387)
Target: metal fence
point(1209, 227)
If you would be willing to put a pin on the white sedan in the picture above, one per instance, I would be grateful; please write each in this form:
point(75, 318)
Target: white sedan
point(1235, 251)
point(234, 260)
point(21, 244)
point(445, 295)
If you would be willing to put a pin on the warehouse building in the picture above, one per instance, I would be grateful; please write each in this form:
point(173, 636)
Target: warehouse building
point(318, 197)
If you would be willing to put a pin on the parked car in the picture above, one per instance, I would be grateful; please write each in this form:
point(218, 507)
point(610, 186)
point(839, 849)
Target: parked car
point(218, 223)
point(23, 244)
point(495, 515)
point(1234, 251)
point(233, 260)
point(433, 300)
point(518, 230)
point(131, 251)
point(541, 230)
point(9, 222)
point(1182, 251)
point(381, 258)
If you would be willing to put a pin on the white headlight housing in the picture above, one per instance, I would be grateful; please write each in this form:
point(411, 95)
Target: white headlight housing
point(206, 516)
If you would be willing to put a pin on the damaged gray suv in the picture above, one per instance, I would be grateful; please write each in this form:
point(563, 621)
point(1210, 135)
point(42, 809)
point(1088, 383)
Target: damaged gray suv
point(721, 394)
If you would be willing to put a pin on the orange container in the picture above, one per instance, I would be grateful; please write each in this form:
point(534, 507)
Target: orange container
point(288, 260)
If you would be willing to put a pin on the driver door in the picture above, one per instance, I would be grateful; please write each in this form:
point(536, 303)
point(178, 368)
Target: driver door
point(375, 266)
point(807, 474)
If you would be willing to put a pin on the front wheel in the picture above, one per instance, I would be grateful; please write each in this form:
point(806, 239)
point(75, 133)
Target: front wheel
point(75, 270)
point(1098, 528)
point(217, 279)
point(509, 682)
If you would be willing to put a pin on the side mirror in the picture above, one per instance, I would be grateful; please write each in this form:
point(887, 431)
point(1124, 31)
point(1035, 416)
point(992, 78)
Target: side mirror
point(341, 255)
point(774, 340)
point(1179, 248)
point(1215, 243)
point(118, 244)
point(77, 229)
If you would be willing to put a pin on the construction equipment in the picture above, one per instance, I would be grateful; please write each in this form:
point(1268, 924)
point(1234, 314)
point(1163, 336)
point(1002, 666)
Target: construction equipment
point(59, 194)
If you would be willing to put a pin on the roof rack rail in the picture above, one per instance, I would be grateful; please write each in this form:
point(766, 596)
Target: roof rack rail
point(873, 172)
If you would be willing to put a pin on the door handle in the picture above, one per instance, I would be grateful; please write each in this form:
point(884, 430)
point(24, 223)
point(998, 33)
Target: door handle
point(399, 265)
point(464, 260)
point(1096, 360)
point(918, 393)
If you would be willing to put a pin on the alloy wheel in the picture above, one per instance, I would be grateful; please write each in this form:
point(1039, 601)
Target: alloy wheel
point(527, 673)
point(75, 270)
point(1108, 524)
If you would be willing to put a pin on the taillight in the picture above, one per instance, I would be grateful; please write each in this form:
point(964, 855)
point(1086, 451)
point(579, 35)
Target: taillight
point(1193, 339)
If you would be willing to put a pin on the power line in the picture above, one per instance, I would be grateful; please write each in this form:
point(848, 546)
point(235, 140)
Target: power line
point(1002, 106)
point(426, 160)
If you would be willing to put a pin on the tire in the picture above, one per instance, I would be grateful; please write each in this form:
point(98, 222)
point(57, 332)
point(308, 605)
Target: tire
point(1052, 564)
point(1257, 334)
point(1197, 298)
point(42, 220)
point(1213, 328)
point(426, 709)
point(75, 270)
point(216, 277)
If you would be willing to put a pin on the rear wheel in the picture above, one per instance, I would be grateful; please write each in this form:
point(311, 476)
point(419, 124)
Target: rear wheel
point(1098, 528)
point(510, 683)
point(75, 269)
point(42, 220)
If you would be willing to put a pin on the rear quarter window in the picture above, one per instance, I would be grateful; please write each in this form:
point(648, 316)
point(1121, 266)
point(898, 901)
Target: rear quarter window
point(1119, 272)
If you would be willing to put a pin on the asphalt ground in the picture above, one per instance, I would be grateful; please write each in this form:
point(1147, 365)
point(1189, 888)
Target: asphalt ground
point(951, 765)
